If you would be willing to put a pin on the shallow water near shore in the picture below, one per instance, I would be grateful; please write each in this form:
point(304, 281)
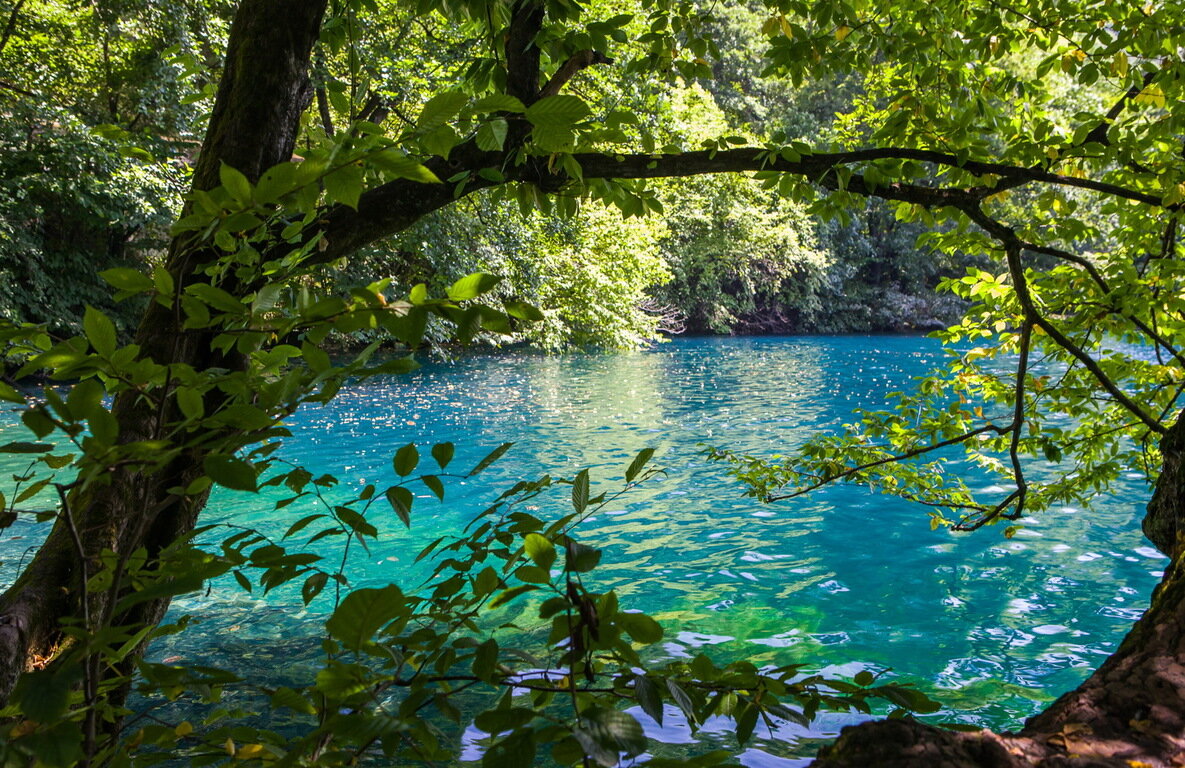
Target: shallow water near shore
point(842, 579)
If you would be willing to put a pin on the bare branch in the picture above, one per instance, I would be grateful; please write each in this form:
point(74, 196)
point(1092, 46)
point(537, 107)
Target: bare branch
point(895, 458)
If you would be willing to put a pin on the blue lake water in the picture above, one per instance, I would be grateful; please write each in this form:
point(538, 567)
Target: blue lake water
point(842, 579)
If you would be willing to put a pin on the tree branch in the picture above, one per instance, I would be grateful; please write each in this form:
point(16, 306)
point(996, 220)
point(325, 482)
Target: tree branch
point(11, 25)
point(580, 60)
point(893, 460)
point(1013, 246)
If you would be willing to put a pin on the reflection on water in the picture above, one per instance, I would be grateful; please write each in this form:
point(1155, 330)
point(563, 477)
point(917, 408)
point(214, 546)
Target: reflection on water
point(843, 579)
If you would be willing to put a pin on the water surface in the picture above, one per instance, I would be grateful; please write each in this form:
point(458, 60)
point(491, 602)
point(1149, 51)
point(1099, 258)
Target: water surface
point(841, 579)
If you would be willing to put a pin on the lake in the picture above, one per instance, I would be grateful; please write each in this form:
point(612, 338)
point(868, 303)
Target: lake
point(842, 579)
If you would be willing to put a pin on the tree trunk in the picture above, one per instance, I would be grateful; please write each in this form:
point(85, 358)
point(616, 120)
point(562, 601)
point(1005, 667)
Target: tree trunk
point(1129, 713)
point(264, 89)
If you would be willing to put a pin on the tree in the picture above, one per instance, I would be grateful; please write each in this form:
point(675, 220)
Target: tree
point(958, 131)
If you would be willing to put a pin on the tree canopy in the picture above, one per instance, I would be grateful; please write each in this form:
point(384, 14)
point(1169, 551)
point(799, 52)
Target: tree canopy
point(1044, 140)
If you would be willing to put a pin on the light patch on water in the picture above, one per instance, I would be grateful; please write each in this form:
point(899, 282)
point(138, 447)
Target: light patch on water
point(1087, 557)
point(833, 586)
point(953, 601)
point(764, 513)
point(761, 557)
point(1149, 552)
point(1059, 548)
point(1127, 614)
point(784, 640)
point(1050, 629)
point(755, 758)
point(1018, 605)
point(699, 640)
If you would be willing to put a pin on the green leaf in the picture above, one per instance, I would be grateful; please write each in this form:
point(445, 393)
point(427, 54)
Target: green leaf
point(345, 184)
point(443, 453)
point(235, 183)
point(440, 109)
point(648, 697)
point(434, 485)
point(10, 394)
point(908, 698)
point(396, 165)
point(401, 500)
point(638, 463)
point(44, 695)
point(99, 330)
point(533, 574)
point(24, 447)
point(440, 141)
point(580, 491)
point(406, 459)
point(472, 286)
point(485, 660)
point(557, 111)
point(498, 102)
point(337, 680)
point(217, 298)
point(490, 458)
point(230, 472)
point(191, 403)
point(507, 595)
point(127, 279)
point(746, 721)
point(640, 627)
point(286, 697)
point(581, 558)
point(502, 720)
point(364, 612)
point(540, 550)
point(606, 733)
point(680, 697)
point(515, 751)
point(523, 311)
point(312, 586)
point(491, 136)
point(485, 582)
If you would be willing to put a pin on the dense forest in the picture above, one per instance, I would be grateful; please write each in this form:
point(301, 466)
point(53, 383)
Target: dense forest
point(201, 198)
point(128, 106)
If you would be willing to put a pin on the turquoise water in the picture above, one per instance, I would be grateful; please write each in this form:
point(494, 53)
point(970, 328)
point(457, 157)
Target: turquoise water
point(842, 579)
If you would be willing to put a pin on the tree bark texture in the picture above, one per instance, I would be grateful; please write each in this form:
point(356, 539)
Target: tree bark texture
point(1130, 713)
point(264, 90)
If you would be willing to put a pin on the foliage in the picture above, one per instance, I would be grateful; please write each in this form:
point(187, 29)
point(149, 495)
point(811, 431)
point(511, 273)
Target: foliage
point(744, 260)
point(72, 204)
point(1075, 360)
point(589, 272)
